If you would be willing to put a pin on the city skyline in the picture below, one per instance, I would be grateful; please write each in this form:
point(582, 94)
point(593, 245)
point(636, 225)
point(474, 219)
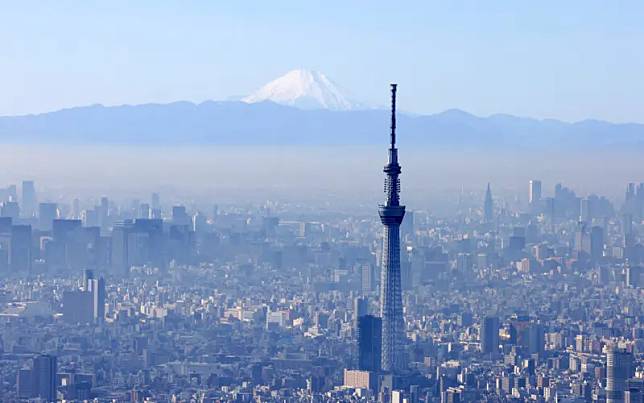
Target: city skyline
point(558, 250)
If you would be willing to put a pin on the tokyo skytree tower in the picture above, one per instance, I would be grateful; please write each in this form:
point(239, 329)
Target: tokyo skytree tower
point(391, 215)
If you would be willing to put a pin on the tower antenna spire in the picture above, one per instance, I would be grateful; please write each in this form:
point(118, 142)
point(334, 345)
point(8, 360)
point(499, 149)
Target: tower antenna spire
point(393, 115)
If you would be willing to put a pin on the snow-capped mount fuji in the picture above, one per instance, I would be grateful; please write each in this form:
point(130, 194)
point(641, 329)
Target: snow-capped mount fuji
point(304, 89)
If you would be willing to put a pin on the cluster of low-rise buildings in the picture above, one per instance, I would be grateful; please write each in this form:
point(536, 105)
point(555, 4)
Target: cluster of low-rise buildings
point(270, 303)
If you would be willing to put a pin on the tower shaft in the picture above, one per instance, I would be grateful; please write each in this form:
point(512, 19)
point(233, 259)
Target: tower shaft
point(391, 216)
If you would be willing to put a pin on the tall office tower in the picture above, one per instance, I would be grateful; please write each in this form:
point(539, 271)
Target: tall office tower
point(28, 199)
point(360, 309)
point(627, 229)
point(488, 206)
point(619, 367)
point(640, 200)
point(97, 288)
point(536, 341)
point(44, 377)
point(369, 343)
point(88, 275)
point(47, 213)
point(120, 246)
point(581, 239)
point(489, 335)
point(155, 206)
point(5, 242)
point(633, 274)
point(630, 201)
point(534, 191)
point(596, 243)
point(104, 213)
point(391, 215)
point(24, 383)
point(20, 250)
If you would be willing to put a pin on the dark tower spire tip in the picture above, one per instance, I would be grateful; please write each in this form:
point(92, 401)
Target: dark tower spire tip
point(393, 115)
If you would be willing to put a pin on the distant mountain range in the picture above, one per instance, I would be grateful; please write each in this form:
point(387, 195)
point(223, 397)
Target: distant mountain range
point(304, 107)
point(268, 123)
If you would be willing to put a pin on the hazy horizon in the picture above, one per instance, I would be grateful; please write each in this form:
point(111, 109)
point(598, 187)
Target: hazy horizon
point(343, 175)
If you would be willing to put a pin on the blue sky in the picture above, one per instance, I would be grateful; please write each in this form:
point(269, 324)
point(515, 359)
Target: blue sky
point(549, 59)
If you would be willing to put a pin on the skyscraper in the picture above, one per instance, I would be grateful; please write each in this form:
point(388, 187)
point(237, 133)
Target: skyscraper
point(20, 249)
point(44, 377)
point(596, 243)
point(536, 341)
point(619, 367)
point(87, 276)
point(369, 343)
point(489, 335)
point(391, 215)
point(488, 206)
point(97, 288)
point(104, 214)
point(119, 258)
point(360, 309)
point(28, 207)
point(534, 191)
point(47, 213)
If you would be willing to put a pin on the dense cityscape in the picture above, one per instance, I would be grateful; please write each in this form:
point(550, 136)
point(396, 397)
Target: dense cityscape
point(145, 301)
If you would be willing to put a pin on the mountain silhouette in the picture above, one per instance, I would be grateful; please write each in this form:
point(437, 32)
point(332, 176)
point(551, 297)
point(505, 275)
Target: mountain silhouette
point(268, 123)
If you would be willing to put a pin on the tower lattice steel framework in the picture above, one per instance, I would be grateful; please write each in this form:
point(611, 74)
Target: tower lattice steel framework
point(391, 215)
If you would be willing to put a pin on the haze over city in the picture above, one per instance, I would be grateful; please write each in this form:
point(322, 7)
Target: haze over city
point(192, 205)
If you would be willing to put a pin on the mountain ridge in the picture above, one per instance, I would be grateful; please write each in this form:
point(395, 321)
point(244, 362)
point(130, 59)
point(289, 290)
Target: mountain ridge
point(269, 123)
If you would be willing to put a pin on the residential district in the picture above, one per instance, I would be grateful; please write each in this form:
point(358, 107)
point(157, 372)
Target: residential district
point(144, 301)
